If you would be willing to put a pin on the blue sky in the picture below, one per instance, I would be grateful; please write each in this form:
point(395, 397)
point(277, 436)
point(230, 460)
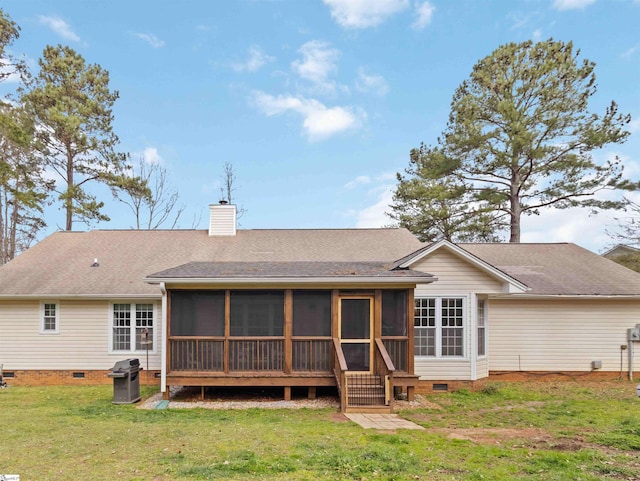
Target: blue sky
point(317, 103)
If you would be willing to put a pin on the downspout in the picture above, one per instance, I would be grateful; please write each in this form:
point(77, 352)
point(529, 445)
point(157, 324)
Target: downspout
point(630, 349)
point(163, 357)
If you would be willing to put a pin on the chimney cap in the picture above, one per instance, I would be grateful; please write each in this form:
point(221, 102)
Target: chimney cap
point(223, 202)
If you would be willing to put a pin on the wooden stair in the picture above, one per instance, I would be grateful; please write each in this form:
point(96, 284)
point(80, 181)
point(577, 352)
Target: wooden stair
point(366, 394)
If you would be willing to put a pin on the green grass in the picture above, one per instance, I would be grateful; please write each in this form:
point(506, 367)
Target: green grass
point(537, 431)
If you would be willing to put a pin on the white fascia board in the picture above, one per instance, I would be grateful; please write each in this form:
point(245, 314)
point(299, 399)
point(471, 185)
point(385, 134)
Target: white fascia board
point(567, 296)
point(513, 286)
point(72, 297)
point(292, 280)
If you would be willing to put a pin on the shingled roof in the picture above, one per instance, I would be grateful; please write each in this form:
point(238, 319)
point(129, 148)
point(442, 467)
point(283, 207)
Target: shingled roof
point(278, 270)
point(559, 269)
point(60, 265)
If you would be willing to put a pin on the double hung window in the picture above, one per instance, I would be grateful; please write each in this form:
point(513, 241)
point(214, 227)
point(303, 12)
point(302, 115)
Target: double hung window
point(439, 326)
point(132, 327)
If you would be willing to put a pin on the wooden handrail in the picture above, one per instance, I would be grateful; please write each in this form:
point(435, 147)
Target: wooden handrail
point(383, 367)
point(342, 362)
point(385, 355)
point(340, 371)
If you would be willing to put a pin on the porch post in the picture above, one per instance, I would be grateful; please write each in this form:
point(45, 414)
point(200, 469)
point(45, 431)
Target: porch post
point(288, 330)
point(164, 343)
point(377, 314)
point(227, 330)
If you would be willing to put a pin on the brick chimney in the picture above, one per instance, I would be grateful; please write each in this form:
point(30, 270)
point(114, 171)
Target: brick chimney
point(222, 219)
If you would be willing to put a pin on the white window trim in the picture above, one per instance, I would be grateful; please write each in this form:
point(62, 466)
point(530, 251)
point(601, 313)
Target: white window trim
point(486, 325)
point(438, 328)
point(49, 332)
point(132, 305)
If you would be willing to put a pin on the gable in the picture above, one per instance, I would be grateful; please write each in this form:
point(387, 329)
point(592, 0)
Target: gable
point(456, 274)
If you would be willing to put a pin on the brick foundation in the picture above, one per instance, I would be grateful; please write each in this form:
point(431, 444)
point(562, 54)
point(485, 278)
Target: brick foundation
point(431, 386)
point(67, 378)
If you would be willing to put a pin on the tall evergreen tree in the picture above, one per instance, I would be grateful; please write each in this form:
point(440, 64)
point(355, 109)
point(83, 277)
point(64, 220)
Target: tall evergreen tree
point(520, 137)
point(72, 105)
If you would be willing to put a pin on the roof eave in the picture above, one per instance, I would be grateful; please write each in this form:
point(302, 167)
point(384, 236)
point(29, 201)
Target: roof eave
point(355, 280)
point(47, 296)
point(565, 296)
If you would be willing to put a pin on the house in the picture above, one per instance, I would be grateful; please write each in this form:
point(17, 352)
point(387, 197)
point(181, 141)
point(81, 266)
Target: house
point(620, 250)
point(371, 311)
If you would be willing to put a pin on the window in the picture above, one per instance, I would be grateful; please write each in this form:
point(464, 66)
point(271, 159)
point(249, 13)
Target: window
point(312, 313)
point(49, 318)
point(439, 327)
point(132, 327)
point(257, 313)
point(425, 327)
point(482, 329)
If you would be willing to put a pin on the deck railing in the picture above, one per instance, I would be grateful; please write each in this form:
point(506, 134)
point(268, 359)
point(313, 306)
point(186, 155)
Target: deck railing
point(197, 355)
point(248, 354)
point(397, 350)
point(311, 355)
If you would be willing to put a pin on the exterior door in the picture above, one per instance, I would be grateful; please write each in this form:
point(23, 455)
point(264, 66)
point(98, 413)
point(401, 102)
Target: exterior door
point(356, 330)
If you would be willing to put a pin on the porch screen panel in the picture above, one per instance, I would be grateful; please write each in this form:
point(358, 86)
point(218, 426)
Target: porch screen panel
point(197, 313)
point(257, 313)
point(311, 313)
point(355, 319)
point(394, 313)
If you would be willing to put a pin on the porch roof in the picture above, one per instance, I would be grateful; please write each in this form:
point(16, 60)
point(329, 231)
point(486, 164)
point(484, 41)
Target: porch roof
point(261, 271)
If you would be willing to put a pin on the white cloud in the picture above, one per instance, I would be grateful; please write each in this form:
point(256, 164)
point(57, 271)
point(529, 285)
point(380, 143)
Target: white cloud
point(364, 13)
point(571, 4)
point(257, 59)
point(151, 39)
point(318, 63)
point(537, 34)
point(319, 121)
point(424, 11)
point(627, 54)
point(151, 156)
point(360, 180)
point(634, 125)
point(59, 26)
point(371, 83)
point(374, 215)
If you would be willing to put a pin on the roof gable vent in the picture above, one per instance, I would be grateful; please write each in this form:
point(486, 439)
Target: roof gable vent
point(222, 219)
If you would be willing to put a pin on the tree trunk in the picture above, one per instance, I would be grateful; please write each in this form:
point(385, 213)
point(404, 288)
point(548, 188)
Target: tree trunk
point(68, 204)
point(516, 211)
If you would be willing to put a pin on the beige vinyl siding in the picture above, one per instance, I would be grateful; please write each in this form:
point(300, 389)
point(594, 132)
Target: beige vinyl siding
point(482, 367)
point(454, 275)
point(560, 335)
point(81, 344)
point(442, 369)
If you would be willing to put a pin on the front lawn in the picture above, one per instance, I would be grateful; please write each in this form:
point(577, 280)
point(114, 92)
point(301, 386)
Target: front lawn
point(530, 431)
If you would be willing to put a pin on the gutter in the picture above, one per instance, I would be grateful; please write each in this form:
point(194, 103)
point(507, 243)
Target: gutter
point(566, 296)
point(291, 280)
point(48, 296)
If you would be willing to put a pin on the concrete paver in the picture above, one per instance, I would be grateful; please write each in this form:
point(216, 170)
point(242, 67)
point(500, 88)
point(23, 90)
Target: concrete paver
point(382, 421)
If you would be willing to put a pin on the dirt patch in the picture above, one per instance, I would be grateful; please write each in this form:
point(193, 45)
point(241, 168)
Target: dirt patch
point(339, 418)
point(529, 437)
point(419, 402)
point(496, 436)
